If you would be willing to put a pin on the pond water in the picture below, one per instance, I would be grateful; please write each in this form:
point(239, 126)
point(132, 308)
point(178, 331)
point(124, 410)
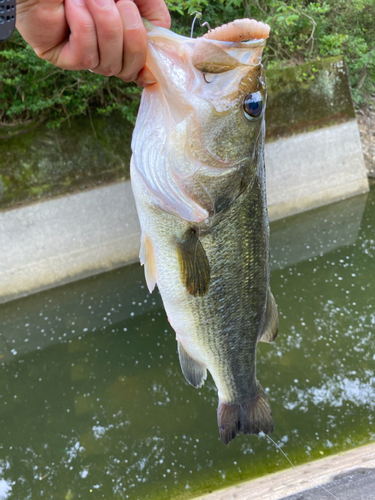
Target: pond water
point(93, 403)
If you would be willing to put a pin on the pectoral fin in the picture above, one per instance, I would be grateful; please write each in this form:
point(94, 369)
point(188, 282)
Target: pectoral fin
point(146, 256)
point(194, 265)
point(271, 324)
point(195, 373)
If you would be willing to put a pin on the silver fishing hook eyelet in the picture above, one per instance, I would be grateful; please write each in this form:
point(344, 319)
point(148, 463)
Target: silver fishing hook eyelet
point(198, 15)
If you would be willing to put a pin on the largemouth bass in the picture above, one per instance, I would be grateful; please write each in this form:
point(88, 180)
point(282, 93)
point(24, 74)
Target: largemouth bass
point(198, 179)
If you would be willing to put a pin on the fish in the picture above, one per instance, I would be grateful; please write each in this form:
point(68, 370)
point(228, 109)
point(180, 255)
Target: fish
point(198, 178)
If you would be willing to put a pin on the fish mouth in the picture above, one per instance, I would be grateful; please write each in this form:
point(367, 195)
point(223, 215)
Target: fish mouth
point(232, 45)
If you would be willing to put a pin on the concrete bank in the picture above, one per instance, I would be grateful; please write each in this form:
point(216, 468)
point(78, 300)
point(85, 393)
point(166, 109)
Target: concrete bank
point(346, 476)
point(295, 240)
point(65, 239)
point(312, 169)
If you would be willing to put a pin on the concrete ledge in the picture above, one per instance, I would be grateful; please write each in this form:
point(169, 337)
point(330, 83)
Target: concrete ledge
point(65, 239)
point(313, 169)
point(346, 476)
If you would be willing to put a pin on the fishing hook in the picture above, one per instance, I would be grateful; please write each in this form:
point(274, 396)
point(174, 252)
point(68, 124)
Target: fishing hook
point(198, 15)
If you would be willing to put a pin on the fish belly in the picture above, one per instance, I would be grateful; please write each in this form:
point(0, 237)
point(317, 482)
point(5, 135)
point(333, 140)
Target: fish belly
point(163, 231)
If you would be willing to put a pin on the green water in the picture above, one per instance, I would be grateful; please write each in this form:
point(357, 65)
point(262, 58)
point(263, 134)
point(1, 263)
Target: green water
point(93, 404)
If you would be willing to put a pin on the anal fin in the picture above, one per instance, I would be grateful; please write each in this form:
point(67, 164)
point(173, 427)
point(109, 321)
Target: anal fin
point(194, 265)
point(271, 324)
point(195, 373)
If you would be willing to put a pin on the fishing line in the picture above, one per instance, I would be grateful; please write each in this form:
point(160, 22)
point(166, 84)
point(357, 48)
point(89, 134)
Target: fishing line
point(198, 15)
point(294, 467)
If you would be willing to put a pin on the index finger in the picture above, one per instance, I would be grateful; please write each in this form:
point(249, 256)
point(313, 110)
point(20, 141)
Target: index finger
point(42, 24)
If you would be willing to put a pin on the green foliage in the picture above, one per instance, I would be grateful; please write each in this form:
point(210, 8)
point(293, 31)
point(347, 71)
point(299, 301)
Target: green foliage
point(186, 6)
point(303, 30)
point(32, 90)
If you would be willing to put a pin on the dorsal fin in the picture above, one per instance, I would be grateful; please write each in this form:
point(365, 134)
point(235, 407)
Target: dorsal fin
point(271, 323)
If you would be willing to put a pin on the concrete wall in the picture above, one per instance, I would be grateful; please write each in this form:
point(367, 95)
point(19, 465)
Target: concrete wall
point(345, 476)
point(65, 239)
point(312, 169)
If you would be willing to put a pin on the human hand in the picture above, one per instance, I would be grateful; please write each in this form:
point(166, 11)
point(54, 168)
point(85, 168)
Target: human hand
point(105, 36)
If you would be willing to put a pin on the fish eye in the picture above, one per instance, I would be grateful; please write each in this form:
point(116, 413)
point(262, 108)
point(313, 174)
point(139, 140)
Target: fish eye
point(253, 105)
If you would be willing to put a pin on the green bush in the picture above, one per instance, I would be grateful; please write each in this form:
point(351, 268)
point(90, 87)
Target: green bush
point(31, 90)
point(303, 30)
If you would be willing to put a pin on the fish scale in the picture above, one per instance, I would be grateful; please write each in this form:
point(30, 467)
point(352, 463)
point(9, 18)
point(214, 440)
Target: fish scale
point(240, 283)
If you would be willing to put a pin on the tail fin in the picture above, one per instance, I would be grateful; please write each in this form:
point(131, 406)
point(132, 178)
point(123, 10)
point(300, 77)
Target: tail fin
point(250, 418)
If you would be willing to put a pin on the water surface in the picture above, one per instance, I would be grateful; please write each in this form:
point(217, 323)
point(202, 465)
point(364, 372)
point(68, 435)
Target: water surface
point(93, 403)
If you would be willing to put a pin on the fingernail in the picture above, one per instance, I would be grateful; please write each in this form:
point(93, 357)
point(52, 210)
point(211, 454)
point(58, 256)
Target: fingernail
point(130, 15)
point(79, 2)
point(147, 84)
point(147, 76)
point(103, 3)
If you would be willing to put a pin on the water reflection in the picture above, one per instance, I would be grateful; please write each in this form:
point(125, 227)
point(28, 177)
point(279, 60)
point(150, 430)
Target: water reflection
point(93, 403)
